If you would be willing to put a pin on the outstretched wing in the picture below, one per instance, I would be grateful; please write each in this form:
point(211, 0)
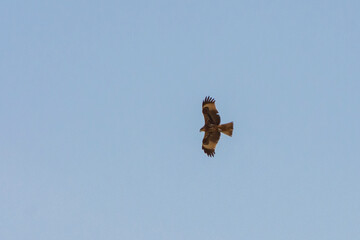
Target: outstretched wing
point(209, 142)
point(209, 111)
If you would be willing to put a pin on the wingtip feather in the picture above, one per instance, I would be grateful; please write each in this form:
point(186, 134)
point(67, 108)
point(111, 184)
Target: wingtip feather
point(208, 99)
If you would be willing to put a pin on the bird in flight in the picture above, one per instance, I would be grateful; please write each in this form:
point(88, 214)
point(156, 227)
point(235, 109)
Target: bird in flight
point(212, 127)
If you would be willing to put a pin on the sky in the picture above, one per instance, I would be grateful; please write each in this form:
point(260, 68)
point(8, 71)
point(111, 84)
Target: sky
point(100, 107)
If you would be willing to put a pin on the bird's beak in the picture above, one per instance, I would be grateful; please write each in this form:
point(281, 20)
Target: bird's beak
point(201, 129)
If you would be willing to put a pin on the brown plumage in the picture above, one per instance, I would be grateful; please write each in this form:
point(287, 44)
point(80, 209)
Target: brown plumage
point(212, 127)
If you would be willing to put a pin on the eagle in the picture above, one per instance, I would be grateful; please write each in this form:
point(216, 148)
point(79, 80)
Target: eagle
point(212, 127)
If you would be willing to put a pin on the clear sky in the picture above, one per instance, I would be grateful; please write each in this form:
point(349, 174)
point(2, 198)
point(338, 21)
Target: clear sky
point(101, 109)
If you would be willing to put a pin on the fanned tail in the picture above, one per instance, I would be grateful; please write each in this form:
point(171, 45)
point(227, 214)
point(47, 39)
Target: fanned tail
point(227, 128)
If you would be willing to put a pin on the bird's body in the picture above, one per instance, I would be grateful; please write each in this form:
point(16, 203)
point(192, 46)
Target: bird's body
point(212, 127)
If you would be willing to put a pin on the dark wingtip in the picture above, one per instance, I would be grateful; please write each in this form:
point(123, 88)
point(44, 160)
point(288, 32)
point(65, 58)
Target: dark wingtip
point(208, 99)
point(209, 152)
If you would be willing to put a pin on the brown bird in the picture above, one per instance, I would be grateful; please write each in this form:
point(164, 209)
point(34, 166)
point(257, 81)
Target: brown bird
point(212, 127)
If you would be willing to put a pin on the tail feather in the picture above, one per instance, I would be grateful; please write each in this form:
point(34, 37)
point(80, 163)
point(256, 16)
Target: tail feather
point(227, 128)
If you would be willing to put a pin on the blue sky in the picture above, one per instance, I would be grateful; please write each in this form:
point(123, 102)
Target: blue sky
point(101, 111)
